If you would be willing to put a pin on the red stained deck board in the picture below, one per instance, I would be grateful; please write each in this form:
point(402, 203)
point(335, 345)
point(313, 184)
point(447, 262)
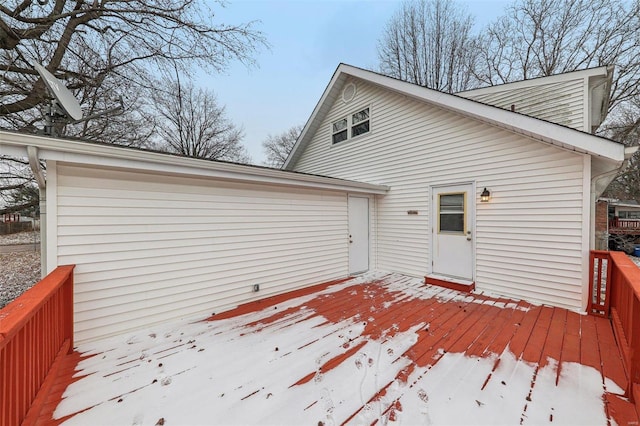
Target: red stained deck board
point(481, 319)
point(442, 335)
point(589, 348)
point(619, 408)
point(555, 337)
point(435, 316)
point(64, 378)
point(474, 324)
point(273, 300)
point(511, 326)
point(533, 348)
point(571, 343)
point(522, 334)
point(497, 326)
point(612, 365)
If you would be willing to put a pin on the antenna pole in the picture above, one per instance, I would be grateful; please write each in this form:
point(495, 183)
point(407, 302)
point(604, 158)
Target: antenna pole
point(48, 119)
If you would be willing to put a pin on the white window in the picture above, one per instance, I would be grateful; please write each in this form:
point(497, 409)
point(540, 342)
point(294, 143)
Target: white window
point(629, 214)
point(354, 125)
point(339, 129)
point(360, 123)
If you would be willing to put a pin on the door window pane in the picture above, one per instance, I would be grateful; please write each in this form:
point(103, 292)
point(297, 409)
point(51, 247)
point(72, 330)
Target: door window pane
point(451, 212)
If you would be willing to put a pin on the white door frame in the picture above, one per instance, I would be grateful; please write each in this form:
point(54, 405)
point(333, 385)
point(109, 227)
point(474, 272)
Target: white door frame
point(471, 224)
point(359, 233)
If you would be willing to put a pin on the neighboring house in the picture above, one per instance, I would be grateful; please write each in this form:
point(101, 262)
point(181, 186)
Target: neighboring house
point(438, 152)
point(386, 175)
point(624, 209)
point(618, 224)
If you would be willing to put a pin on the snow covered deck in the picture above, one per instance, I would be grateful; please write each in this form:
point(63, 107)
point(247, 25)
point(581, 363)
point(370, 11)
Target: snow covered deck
point(376, 348)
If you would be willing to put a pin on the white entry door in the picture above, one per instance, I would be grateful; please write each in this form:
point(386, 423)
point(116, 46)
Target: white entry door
point(452, 251)
point(358, 234)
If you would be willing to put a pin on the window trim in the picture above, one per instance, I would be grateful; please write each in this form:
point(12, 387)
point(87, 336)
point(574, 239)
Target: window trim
point(351, 125)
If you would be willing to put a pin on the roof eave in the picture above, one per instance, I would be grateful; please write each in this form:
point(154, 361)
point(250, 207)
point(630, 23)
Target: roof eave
point(15, 144)
point(547, 132)
point(295, 152)
point(601, 71)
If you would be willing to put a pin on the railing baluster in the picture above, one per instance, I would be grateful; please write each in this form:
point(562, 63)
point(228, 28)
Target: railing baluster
point(599, 261)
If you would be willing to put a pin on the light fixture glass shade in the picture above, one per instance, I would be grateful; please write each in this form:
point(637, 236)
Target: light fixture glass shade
point(485, 196)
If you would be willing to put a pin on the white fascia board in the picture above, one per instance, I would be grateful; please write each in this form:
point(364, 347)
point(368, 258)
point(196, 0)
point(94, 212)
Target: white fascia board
point(633, 206)
point(547, 132)
point(121, 157)
point(12, 151)
point(539, 81)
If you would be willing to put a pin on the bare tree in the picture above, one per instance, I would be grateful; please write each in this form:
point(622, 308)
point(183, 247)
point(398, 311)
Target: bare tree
point(103, 49)
point(190, 122)
point(544, 37)
point(16, 184)
point(279, 146)
point(429, 42)
point(538, 38)
point(625, 127)
point(101, 45)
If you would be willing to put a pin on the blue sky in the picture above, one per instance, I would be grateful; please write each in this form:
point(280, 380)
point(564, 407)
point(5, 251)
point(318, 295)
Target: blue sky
point(308, 40)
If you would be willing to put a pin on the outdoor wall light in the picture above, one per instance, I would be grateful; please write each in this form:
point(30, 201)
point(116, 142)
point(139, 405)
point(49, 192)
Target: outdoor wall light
point(485, 196)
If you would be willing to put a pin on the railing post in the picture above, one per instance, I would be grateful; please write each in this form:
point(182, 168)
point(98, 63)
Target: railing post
point(67, 294)
point(634, 351)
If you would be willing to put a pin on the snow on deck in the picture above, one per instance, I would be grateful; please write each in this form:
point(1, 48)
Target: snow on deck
point(377, 348)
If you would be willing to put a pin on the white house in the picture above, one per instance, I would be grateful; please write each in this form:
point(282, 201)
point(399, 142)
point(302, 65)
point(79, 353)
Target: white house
point(438, 152)
point(386, 175)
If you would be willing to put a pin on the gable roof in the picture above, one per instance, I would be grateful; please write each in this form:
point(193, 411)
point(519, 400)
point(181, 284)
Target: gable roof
point(593, 74)
point(108, 155)
point(534, 128)
point(597, 82)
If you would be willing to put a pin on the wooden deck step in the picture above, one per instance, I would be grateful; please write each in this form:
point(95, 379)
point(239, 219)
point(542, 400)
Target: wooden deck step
point(450, 283)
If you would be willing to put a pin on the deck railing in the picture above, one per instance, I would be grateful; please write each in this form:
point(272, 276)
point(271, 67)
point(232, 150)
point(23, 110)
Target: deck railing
point(36, 331)
point(618, 223)
point(621, 301)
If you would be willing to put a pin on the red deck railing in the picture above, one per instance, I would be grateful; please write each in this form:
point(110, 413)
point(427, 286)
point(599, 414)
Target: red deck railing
point(36, 332)
point(619, 297)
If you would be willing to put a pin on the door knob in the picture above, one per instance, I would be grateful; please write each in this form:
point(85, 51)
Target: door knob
point(468, 235)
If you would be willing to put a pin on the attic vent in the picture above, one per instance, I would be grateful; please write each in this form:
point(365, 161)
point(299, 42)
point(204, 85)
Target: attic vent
point(348, 93)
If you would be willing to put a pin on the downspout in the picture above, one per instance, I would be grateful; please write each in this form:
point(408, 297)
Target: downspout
point(34, 163)
point(604, 104)
point(600, 182)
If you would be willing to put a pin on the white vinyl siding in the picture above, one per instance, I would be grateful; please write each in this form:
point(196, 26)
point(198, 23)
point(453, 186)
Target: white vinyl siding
point(560, 102)
point(528, 238)
point(150, 248)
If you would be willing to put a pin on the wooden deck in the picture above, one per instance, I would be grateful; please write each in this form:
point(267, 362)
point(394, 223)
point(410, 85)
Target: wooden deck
point(367, 350)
